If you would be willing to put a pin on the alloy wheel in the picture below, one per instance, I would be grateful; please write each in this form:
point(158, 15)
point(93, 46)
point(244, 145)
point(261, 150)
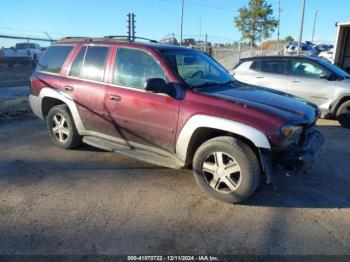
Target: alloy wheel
point(60, 128)
point(222, 172)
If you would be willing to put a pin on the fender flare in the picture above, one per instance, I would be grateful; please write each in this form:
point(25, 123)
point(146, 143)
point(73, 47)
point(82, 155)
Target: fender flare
point(65, 98)
point(254, 135)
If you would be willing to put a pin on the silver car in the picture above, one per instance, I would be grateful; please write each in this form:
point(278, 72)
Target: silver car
point(312, 79)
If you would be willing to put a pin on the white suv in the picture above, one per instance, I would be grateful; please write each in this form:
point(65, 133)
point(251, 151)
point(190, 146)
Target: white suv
point(312, 79)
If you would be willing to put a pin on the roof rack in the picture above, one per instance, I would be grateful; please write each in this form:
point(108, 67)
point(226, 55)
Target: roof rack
point(130, 38)
point(70, 38)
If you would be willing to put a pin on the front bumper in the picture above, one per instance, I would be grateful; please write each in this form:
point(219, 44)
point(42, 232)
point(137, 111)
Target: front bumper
point(301, 158)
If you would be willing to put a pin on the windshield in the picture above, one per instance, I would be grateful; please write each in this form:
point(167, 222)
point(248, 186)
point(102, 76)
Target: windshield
point(196, 68)
point(334, 69)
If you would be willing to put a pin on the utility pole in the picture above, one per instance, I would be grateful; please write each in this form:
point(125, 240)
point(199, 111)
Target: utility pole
point(301, 26)
point(200, 28)
point(313, 30)
point(131, 26)
point(278, 27)
point(182, 19)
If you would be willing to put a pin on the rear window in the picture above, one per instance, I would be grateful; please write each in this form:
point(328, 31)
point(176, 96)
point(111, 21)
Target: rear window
point(78, 63)
point(255, 66)
point(274, 66)
point(95, 63)
point(54, 58)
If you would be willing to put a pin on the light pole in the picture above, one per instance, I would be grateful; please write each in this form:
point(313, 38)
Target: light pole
point(301, 26)
point(278, 27)
point(313, 30)
point(182, 20)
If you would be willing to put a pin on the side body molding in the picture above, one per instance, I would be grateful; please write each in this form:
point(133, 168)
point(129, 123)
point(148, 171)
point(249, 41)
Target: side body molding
point(36, 104)
point(258, 138)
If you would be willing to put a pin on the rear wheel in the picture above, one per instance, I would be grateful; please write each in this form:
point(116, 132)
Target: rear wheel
point(227, 169)
point(61, 127)
point(343, 114)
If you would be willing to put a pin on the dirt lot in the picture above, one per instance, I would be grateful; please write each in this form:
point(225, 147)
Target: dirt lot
point(86, 201)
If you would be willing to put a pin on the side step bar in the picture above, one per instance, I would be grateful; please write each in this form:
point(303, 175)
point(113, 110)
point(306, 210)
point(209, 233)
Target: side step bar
point(161, 158)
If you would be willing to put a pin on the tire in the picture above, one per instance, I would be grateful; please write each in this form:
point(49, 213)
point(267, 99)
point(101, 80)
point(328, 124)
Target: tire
point(235, 178)
point(343, 114)
point(61, 127)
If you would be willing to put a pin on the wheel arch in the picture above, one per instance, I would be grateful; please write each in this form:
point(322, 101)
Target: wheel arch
point(50, 97)
point(199, 128)
point(203, 134)
point(47, 103)
point(338, 103)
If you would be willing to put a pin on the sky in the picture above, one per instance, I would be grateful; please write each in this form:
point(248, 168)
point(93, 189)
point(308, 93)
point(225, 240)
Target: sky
point(158, 18)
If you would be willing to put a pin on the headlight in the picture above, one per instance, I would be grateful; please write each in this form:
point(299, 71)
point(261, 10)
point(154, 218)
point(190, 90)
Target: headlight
point(291, 134)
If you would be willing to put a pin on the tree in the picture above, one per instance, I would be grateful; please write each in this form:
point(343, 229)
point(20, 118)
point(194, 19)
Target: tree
point(256, 21)
point(289, 39)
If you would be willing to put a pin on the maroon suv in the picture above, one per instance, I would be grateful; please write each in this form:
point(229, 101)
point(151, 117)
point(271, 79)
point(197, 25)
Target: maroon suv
point(175, 107)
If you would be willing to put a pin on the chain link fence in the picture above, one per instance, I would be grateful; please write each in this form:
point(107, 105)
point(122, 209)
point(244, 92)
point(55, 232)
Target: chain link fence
point(19, 54)
point(18, 58)
point(224, 50)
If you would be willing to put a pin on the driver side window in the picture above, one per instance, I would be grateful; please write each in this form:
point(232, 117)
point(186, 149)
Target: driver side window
point(133, 67)
point(306, 69)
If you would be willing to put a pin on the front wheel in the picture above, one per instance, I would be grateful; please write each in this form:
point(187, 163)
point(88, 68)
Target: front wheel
point(61, 127)
point(227, 169)
point(343, 114)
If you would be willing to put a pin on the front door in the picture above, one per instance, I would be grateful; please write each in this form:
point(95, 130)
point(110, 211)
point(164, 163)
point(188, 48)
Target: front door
point(138, 116)
point(305, 81)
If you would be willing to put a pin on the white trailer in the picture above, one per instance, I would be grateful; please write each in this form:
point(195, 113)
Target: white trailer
point(341, 52)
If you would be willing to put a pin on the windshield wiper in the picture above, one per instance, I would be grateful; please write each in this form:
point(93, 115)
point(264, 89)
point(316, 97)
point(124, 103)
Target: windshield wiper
point(228, 82)
point(205, 84)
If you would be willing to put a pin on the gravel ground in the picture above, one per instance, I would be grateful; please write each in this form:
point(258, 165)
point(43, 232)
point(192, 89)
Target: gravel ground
point(86, 201)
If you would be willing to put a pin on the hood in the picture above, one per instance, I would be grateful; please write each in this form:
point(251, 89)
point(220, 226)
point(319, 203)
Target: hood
point(292, 109)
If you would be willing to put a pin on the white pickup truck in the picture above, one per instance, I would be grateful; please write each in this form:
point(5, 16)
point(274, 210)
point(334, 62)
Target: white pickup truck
point(22, 54)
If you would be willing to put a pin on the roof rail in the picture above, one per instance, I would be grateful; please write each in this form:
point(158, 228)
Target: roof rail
point(130, 38)
point(69, 38)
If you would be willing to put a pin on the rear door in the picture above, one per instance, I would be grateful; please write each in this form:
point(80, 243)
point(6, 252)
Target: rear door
point(304, 81)
point(272, 74)
point(85, 83)
point(248, 72)
point(141, 117)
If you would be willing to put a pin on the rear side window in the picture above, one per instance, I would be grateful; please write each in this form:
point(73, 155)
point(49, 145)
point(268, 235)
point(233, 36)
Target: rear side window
point(133, 67)
point(54, 58)
point(274, 66)
point(95, 63)
point(78, 63)
point(255, 66)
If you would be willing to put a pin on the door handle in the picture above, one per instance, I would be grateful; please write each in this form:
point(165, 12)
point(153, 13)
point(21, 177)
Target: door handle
point(115, 98)
point(69, 88)
point(296, 81)
point(259, 77)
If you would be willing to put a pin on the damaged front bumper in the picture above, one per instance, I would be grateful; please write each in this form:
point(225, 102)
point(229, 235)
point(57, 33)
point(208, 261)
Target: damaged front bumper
point(294, 158)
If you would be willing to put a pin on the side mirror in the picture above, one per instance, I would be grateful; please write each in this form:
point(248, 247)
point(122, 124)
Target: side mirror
point(156, 85)
point(329, 77)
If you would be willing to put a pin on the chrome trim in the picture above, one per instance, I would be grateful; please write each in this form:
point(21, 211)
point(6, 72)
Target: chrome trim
point(258, 138)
